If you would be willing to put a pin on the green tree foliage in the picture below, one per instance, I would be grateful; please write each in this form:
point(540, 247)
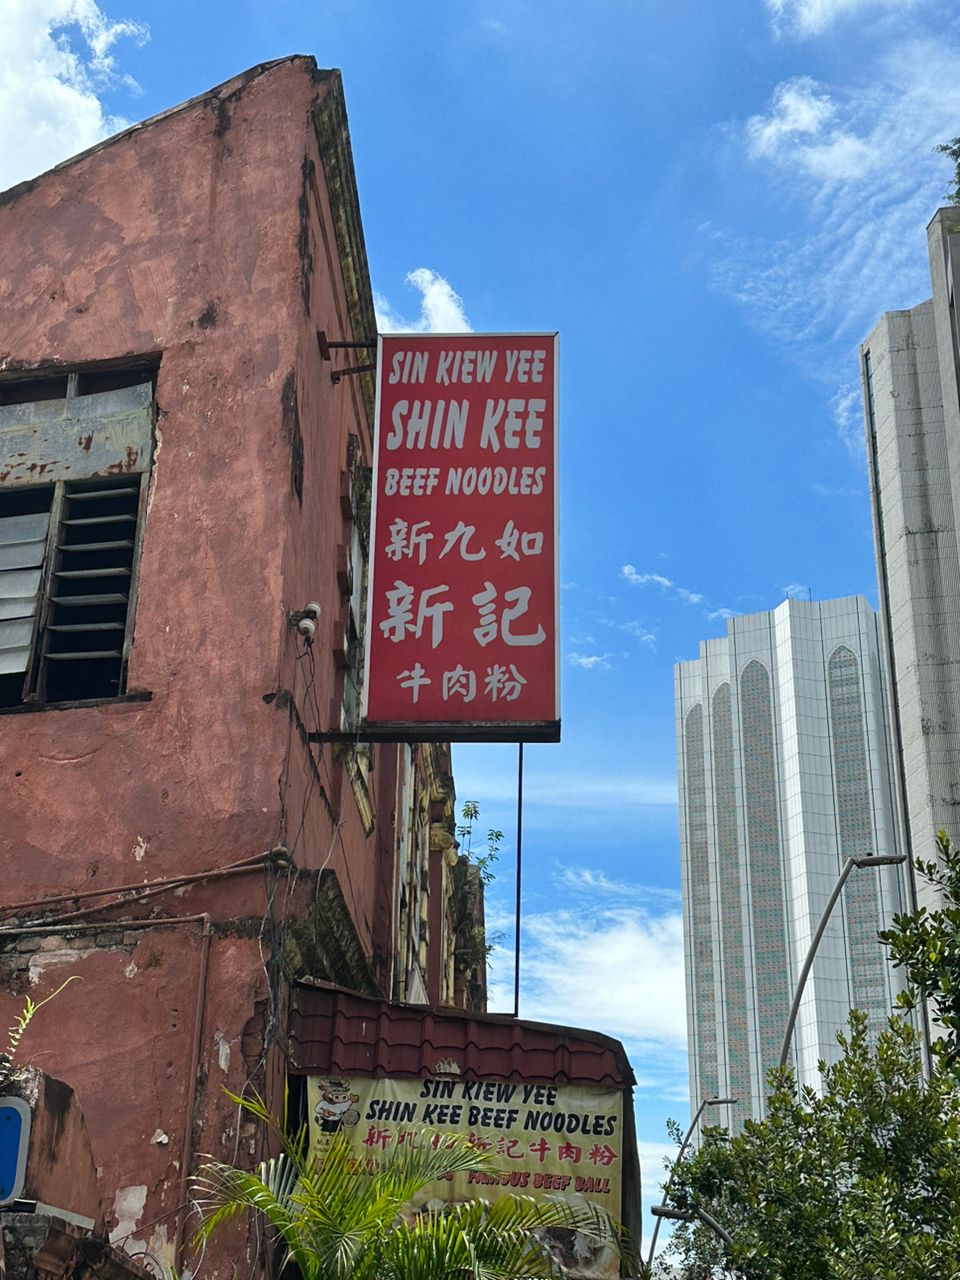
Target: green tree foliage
point(861, 1182)
point(339, 1219)
point(952, 150)
point(470, 813)
point(926, 945)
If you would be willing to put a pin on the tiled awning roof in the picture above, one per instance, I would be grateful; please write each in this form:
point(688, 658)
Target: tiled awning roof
point(338, 1032)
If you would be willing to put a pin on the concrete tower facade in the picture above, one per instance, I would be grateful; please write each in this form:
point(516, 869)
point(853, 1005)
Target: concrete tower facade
point(910, 371)
point(785, 770)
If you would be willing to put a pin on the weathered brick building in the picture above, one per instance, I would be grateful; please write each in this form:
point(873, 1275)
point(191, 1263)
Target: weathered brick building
point(183, 482)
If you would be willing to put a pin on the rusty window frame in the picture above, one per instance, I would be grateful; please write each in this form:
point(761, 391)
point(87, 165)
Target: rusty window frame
point(34, 693)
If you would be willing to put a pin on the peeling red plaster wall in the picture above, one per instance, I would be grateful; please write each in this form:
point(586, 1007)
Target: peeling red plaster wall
point(182, 238)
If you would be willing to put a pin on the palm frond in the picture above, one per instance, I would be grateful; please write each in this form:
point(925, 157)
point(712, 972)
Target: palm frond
point(347, 1218)
point(223, 1191)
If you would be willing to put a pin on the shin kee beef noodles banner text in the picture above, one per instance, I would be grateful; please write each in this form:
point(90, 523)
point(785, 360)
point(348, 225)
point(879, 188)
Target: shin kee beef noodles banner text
point(462, 613)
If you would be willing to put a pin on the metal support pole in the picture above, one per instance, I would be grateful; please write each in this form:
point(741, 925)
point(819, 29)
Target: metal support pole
point(516, 937)
point(706, 1102)
point(878, 860)
point(710, 1221)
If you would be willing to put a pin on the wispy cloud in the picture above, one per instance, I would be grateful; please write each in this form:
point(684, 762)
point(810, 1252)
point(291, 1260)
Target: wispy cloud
point(796, 591)
point(640, 632)
point(715, 615)
point(805, 18)
point(855, 170)
point(633, 627)
point(654, 1159)
point(56, 61)
point(802, 129)
point(616, 966)
point(638, 579)
point(847, 409)
point(574, 789)
point(590, 661)
point(589, 880)
point(620, 969)
point(441, 308)
point(599, 792)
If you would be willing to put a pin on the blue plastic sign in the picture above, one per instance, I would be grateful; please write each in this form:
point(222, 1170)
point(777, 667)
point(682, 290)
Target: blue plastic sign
point(14, 1140)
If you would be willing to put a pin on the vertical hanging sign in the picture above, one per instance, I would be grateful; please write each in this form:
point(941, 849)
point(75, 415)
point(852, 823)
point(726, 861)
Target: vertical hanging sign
point(461, 636)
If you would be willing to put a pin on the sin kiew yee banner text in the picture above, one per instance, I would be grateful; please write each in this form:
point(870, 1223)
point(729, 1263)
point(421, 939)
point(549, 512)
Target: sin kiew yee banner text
point(542, 1139)
point(462, 609)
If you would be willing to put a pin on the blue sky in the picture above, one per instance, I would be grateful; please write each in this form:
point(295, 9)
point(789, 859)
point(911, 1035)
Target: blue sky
point(713, 204)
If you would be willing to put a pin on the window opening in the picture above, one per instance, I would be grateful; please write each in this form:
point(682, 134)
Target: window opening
point(68, 547)
point(66, 571)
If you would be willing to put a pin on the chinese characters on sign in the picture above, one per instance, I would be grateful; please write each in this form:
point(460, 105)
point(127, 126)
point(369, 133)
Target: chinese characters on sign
point(542, 1139)
point(461, 623)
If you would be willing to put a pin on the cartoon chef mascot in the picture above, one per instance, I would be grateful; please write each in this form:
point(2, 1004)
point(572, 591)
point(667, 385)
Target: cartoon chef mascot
point(336, 1106)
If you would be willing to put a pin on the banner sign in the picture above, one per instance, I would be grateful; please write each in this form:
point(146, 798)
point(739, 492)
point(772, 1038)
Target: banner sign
point(462, 609)
point(543, 1140)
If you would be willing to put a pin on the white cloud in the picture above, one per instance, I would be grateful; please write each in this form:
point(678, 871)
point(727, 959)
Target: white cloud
point(653, 1173)
point(633, 627)
point(637, 579)
point(620, 969)
point(591, 661)
point(613, 967)
point(804, 18)
point(800, 130)
point(796, 591)
point(797, 110)
point(640, 632)
point(56, 61)
point(847, 407)
point(858, 179)
point(715, 615)
point(441, 308)
point(588, 880)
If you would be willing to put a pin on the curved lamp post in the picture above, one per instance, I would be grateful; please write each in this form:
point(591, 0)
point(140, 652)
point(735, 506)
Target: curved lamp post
point(871, 860)
point(660, 1211)
point(693, 1214)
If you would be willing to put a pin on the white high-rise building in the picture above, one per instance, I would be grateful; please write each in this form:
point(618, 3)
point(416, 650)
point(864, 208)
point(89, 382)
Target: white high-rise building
point(911, 392)
point(785, 770)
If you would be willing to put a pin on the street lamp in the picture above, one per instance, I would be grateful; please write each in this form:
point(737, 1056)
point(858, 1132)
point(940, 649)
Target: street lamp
point(693, 1214)
point(658, 1210)
point(871, 860)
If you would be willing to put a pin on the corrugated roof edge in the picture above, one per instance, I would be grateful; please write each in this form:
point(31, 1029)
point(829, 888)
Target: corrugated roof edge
point(218, 91)
point(445, 1012)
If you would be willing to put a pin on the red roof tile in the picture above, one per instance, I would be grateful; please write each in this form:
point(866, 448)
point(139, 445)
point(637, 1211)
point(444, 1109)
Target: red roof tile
point(338, 1032)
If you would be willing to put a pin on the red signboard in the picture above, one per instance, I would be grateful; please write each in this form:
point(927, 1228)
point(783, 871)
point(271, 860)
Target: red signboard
point(462, 610)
